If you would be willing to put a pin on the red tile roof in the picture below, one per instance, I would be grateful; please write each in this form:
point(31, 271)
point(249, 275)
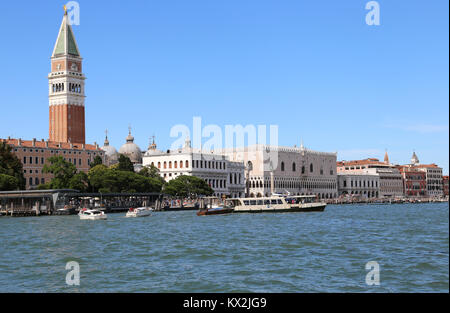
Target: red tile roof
point(426, 165)
point(48, 144)
point(360, 162)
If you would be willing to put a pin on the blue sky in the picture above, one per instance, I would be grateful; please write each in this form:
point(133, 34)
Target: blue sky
point(314, 68)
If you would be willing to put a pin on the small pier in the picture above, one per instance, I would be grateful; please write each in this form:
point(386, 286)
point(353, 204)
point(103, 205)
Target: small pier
point(19, 212)
point(67, 201)
point(30, 202)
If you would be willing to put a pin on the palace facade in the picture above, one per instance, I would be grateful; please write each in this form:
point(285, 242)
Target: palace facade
point(281, 170)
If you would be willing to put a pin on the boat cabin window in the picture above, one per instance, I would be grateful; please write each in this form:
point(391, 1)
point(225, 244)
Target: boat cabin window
point(279, 201)
point(252, 202)
point(246, 202)
point(260, 202)
point(267, 201)
point(294, 200)
point(273, 201)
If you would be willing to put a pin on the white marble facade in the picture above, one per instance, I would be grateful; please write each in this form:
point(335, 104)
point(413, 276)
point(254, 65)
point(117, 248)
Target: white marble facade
point(297, 171)
point(225, 177)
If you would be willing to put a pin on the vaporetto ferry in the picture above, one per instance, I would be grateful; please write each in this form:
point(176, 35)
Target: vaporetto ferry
point(276, 204)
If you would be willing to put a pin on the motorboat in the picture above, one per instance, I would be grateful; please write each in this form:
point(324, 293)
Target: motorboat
point(86, 214)
point(215, 210)
point(306, 203)
point(214, 206)
point(138, 212)
point(66, 210)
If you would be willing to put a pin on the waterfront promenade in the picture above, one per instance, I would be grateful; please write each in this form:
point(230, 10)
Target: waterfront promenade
point(51, 202)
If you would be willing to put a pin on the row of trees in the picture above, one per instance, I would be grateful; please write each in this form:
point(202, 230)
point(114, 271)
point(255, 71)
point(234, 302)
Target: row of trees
point(100, 178)
point(117, 178)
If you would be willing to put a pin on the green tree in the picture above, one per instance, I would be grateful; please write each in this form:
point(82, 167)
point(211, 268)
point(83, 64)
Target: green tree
point(62, 170)
point(96, 177)
point(185, 186)
point(10, 165)
point(44, 186)
point(79, 181)
point(97, 161)
point(105, 180)
point(152, 172)
point(125, 164)
point(8, 182)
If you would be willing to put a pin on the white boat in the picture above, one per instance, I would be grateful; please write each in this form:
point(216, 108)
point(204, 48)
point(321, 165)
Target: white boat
point(86, 214)
point(276, 204)
point(138, 212)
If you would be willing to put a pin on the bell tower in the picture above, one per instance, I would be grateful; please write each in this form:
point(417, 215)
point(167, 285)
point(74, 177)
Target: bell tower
point(66, 88)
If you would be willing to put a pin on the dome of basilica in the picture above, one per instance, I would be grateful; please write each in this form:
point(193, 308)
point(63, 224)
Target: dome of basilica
point(152, 149)
point(131, 150)
point(111, 154)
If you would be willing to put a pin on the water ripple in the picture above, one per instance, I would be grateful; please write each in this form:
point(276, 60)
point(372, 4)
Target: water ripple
point(180, 252)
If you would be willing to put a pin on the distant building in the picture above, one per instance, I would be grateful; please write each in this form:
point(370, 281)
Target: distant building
point(34, 154)
point(414, 181)
point(390, 179)
point(359, 184)
point(433, 175)
point(445, 185)
point(225, 177)
point(297, 171)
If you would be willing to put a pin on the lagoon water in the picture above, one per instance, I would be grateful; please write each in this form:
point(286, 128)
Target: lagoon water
point(181, 252)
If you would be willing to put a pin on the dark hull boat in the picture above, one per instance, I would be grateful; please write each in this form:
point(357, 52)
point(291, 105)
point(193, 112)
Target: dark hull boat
point(215, 211)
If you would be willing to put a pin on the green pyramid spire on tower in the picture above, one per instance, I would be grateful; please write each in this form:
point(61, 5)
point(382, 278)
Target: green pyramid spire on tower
point(65, 43)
